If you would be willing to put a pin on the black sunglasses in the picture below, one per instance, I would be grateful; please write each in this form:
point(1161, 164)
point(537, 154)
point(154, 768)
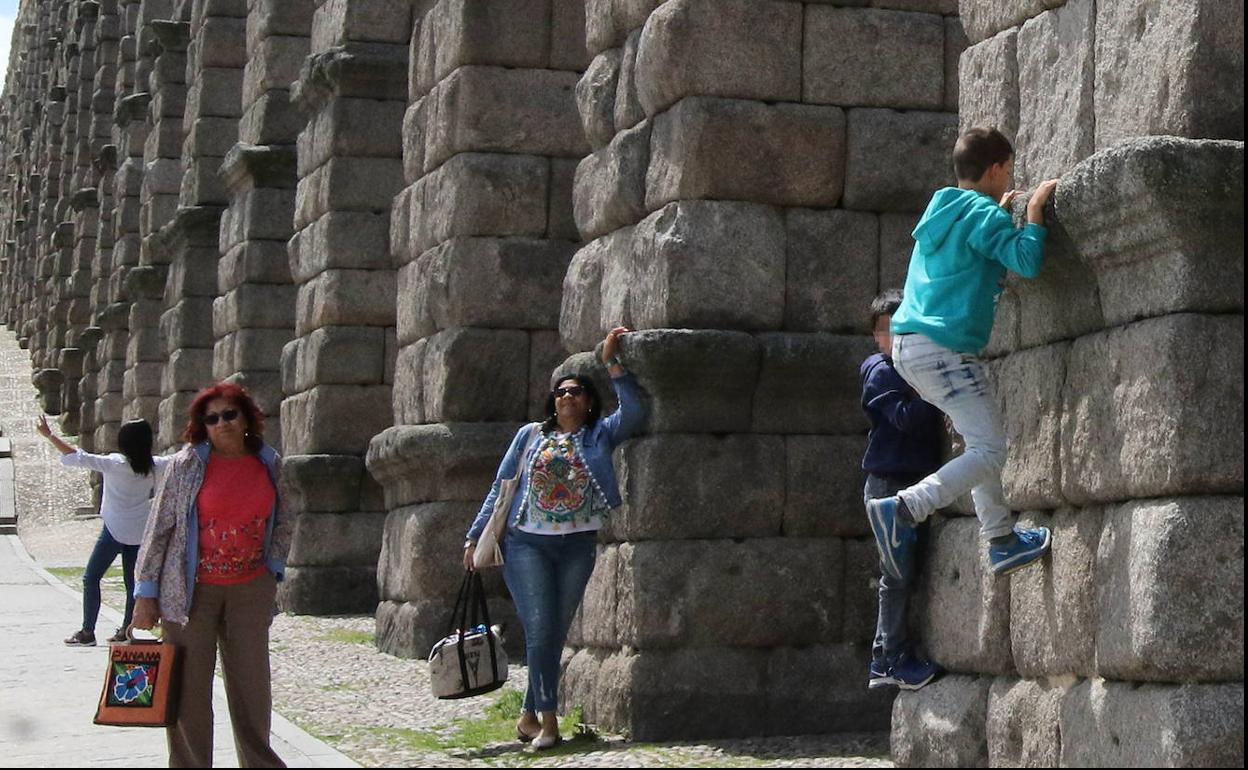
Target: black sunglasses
point(571, 390)
point(229, 415)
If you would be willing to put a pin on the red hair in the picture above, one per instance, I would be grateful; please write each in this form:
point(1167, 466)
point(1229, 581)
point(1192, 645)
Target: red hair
point(197, 432)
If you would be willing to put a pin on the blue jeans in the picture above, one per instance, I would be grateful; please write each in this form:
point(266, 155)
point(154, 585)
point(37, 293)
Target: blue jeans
point(546, 575)
point(956, 384)
point(891, 626)
point(102, 556)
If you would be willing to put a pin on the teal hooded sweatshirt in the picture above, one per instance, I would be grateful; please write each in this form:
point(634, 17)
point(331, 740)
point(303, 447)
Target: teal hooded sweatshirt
point(963, 246)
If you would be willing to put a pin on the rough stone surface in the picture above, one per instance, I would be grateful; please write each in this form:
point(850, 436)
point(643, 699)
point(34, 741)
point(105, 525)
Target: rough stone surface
point(832, 269)
point(988, 84)
point(943, 724)
point(1028, 387)
point(904, 51)
point(733, 149)
point(1055, 80)
point(1154, 557)
point(1024, 723)
point(610, 188)
point(1189, 50)
point(926, 138)
point(1135, 424)
point(808, 383)
point(733, 48)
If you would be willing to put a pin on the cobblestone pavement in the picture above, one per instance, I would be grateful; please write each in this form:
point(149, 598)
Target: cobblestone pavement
point(330, 680)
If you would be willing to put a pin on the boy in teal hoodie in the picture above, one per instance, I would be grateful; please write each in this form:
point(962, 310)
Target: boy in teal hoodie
point(964, 244)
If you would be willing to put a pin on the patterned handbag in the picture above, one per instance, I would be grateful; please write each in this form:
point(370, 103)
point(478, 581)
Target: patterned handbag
point(470, 660)
point(140, 687)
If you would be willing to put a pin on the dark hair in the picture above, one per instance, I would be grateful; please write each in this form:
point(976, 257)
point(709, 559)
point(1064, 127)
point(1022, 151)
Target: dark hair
point(196, 431)
point(134, 439)
point(977, 150)
point(591, 390)
point(885, 303)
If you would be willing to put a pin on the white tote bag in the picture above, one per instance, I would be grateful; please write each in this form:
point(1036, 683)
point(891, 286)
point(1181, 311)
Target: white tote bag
point(489, 551)
point(470, 660)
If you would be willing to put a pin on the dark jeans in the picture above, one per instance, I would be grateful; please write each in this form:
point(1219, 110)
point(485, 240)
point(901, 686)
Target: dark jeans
point(546, 575)
point(102, 556)
point(891, 632)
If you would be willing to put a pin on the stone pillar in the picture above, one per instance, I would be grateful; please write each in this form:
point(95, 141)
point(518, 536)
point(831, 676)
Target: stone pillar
point(483, 235)
point(1117, 372)
point(255, 315)
point(163, 42)
point(337, 372)
point(740, 207)
point(215, 57)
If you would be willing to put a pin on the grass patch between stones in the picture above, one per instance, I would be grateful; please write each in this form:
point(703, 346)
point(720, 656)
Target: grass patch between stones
point(347, 636)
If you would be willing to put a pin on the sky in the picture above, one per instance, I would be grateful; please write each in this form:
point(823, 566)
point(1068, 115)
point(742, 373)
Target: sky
point(8, 12)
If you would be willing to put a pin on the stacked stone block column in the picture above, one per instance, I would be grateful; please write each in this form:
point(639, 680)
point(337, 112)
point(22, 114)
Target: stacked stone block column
point(741, 207)
point(483, 234)
point(163, 41)
point(337, 371)
point(254, 316)
point(1117, 373)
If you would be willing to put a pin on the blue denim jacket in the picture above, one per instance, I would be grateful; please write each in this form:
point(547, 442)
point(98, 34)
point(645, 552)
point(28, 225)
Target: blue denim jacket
point(597, 444)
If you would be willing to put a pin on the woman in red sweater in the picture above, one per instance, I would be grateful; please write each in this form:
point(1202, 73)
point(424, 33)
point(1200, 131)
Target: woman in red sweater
point(214, 549)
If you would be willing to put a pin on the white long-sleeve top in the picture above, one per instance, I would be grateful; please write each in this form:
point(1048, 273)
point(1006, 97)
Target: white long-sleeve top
point(127, 498)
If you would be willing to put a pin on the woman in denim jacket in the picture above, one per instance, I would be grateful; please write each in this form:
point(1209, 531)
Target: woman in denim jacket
point(566, 489)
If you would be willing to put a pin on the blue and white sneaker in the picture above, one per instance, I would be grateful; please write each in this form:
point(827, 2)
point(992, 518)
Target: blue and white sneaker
point(879, 675)
point(911, 673)
point(893, 536)
point(1029, 545)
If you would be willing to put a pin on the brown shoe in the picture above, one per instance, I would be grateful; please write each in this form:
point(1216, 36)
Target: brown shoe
point(119, 636)
point(81, 639)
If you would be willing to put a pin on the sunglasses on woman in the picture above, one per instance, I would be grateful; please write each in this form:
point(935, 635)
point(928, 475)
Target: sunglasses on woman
point(571, 390)
point(229, 415)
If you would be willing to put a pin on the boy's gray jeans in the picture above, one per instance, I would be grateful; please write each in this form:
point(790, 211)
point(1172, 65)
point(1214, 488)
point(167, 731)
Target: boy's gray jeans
point(956, 384)
point(891, 637)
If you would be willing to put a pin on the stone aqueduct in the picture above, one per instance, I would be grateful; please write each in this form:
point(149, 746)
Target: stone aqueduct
point(391, 219)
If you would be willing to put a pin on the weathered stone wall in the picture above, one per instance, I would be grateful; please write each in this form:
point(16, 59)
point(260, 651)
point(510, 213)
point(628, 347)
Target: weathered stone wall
point(1118, 374)
point(742, 207)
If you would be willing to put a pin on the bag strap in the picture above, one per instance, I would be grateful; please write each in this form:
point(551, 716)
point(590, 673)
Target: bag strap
point(456, 621)
point(535, 432)
point(479, 590)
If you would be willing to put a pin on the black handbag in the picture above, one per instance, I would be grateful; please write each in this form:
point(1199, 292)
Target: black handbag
point(470, 659)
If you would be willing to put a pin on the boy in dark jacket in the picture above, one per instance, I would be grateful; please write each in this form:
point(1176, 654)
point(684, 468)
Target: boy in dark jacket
point(904, 445)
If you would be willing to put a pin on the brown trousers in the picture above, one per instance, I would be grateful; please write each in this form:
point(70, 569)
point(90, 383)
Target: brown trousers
point(236, 618)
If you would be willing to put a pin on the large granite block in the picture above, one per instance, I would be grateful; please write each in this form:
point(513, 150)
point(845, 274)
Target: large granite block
point(476, 375)
point(497, 32)
point(734, 48)
point(1170, 593)
point(823, 486)
point(610, 187)
point(667, 498)
point(966, 618)
point(832, 269)
point(328, 483)
point(349, 590)
point(419, 550)
point(808, 383)
point(943, 724)
point(799, 700)
point(336, 539)
point(733, 149)
point(1185, 255)
point(336, 22)
point(709, 264)
point(1024, 723)
point(597, 290)
point(338, 419)
point(904, 52)
point(1028, 388)
point(346, 298)
point(925, 139)
point(448, 461)
point(340, 239)
point(984, 18)
point(342, 355)
point(1123, 724)
point(988, 84)
point(351, 128)
point(1055, 82)
point(697, 381)
point(1135, 421)
point(1053, 616)
point(595, 97)
point(1191, 51)
point(530, 111)
point(481, 194)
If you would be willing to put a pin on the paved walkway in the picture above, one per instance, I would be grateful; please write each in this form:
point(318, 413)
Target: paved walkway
point(48, 691)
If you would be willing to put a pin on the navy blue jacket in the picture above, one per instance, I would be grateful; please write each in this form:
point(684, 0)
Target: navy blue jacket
point(907, 433)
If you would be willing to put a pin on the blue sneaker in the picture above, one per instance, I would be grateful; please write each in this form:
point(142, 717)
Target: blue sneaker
point(911, 673)
point(1029, 545)
point(893, 537)
point(879, 675)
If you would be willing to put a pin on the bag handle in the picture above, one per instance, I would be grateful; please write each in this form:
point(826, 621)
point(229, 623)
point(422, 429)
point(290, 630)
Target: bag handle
point(457, 619)
point(481, 606)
